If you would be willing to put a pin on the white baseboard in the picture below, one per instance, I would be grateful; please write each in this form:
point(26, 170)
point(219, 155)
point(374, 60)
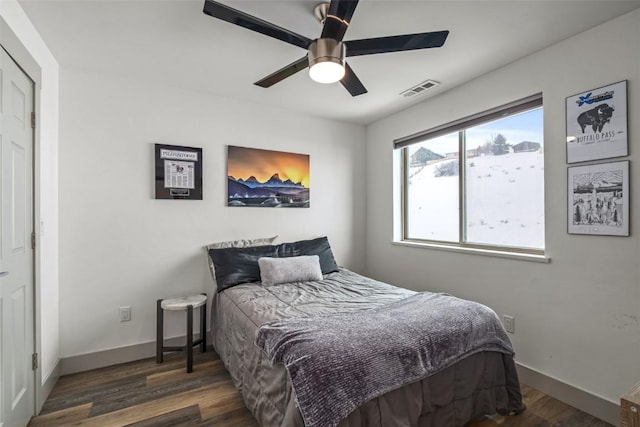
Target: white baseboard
point(115, 356)
point(590, 403)
point(47, 386)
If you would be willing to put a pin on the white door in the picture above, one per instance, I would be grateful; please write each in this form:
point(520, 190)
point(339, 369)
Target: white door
point(16, 255)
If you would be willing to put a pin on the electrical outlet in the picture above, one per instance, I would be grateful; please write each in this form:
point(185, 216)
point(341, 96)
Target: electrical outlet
point(125, 314)
point(509, 323)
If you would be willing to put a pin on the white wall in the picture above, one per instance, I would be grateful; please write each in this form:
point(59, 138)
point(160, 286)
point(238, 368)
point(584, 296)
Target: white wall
point(46, 165)
point(119, 246)
point(578, 317)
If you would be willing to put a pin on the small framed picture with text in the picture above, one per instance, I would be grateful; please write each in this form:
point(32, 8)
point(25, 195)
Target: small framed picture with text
point(178, 172)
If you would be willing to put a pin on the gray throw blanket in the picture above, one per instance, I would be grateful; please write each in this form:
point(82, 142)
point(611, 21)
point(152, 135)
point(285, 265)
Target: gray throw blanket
point(339, 362)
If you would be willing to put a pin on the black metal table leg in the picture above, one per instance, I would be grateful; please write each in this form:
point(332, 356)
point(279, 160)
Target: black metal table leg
point(189, 338)
point(159, 332)
point(203, 327)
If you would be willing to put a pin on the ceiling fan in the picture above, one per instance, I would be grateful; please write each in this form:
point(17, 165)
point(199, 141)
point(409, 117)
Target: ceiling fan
point(326, 54)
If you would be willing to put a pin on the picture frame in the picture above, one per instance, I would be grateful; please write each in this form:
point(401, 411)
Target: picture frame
point(178, 172)
point(596, 123)
point(598, 199)
point(267, 178)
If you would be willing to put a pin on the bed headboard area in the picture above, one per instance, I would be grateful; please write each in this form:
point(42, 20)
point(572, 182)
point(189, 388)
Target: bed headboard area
point(233, 265)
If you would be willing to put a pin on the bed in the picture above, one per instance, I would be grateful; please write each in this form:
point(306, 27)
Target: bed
point(462, 387)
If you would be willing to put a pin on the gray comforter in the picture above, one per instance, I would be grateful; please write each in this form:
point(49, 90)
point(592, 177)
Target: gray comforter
point(338, 362)
point(481, 383)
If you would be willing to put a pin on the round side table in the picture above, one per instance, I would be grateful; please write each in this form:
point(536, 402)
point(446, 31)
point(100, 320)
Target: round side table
point(187, 303)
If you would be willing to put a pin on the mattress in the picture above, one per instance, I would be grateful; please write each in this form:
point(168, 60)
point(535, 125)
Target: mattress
point(482, 383)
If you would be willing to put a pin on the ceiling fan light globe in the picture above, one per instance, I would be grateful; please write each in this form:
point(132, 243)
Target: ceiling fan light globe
point(326, 72)
point(326, 60)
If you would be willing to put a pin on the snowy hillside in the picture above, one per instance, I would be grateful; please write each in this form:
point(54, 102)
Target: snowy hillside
point(504, 201)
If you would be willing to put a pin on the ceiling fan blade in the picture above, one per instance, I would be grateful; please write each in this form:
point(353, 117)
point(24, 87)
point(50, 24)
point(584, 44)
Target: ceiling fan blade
point(396, 43)
point(351, 82)
point(226, 13)
point(338, 18)
point(283, 73)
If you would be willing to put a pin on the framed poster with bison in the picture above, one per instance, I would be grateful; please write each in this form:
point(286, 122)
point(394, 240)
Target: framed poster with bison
point(597, 123)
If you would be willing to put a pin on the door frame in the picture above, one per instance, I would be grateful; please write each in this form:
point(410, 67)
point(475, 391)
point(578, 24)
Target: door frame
point(21, 56)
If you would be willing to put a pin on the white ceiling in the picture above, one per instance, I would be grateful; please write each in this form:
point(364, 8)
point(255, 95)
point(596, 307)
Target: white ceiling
point(172, 42)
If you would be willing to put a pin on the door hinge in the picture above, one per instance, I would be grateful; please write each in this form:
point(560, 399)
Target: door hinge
point(33, 240)
point(33, 120)
point(34, 361)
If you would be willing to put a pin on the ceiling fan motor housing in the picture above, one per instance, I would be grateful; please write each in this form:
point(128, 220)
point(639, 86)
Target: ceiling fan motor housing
point(327, 50)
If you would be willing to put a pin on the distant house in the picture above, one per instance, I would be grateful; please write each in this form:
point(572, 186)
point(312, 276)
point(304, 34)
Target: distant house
point(526, 146)
point(424, 156)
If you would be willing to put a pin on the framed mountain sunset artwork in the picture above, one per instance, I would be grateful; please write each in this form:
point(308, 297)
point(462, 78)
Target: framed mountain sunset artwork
point(266, 178)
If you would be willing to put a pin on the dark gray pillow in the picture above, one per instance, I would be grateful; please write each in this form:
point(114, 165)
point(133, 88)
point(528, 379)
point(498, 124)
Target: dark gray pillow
point(234, 266)
point(319, 246)
point(240, 243)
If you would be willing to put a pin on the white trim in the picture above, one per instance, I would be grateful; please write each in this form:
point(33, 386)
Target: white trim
point(475, 251)
point(20, 54)
point(14, 47)
point(598, 406)
point(21, 40)
point(43, 392)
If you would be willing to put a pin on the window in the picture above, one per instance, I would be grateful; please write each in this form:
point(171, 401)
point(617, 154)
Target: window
point(477, 182)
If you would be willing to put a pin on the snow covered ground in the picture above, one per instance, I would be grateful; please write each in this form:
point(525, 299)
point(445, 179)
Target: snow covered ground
point(505, 201)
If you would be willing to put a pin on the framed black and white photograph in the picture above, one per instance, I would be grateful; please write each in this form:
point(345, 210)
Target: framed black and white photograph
point(599, 199)
point(597, 123)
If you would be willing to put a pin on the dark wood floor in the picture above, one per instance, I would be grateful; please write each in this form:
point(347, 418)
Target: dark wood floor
point(144, 393)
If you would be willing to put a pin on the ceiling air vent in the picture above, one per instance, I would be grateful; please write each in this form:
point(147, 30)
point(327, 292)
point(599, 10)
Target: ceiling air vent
point(420, 88)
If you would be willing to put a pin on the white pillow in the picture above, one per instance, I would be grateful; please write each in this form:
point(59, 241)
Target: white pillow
point(274, 271)
point(241, 243)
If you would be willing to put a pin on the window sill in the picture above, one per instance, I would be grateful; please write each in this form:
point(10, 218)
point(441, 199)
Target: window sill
point(476, 251)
